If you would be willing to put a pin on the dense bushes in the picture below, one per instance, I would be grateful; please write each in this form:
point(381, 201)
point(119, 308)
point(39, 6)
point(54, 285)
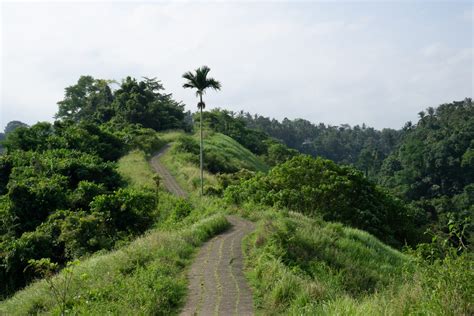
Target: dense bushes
point(85, 137)
point(315, 186)
point(61, 196)
point(67, 218)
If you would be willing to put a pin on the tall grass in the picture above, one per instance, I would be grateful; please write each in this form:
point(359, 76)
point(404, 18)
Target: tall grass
point(234, 152)
point(302, 266)
point(135, 169)
point(143, 278)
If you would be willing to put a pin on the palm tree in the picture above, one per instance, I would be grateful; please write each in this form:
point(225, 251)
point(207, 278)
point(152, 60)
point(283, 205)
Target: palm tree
point(200, 82)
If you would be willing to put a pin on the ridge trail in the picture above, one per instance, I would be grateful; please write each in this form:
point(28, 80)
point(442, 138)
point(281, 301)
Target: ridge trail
point(169, 181)
point(217, 285)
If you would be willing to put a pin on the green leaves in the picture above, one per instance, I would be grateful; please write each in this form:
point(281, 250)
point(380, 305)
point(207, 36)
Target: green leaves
point(319, 187)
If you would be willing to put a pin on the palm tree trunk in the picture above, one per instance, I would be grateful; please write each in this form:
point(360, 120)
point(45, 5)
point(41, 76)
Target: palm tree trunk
point(201, 149)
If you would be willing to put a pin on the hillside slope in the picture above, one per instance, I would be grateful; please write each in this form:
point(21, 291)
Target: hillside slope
point(221, 151)
point(299, 265)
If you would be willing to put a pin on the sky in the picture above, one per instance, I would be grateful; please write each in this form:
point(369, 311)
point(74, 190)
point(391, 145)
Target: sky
point(335, 62)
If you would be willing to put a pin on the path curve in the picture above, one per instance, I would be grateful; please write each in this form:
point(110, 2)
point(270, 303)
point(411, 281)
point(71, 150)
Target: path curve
point(168, 180)
point(217, 285)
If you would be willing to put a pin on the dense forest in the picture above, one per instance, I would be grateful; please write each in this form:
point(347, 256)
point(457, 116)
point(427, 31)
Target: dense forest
point(361, 146)
point(62, 197)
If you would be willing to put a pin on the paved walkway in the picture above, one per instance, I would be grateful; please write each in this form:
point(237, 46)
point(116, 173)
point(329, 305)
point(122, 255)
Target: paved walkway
point(168, 180)
point(217, 285)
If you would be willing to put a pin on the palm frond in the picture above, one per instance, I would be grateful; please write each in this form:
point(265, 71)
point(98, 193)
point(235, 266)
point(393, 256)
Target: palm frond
point(214, 84)
point(199, 81)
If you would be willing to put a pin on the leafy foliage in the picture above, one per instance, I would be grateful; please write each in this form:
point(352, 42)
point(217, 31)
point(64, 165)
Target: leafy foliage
point(61, 196)
point(85, 137)
point(433, 167)
point(319, 187)
point(135, 102)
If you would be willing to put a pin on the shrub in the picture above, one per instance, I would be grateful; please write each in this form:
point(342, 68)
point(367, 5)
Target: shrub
point(84, 233)
point(15, 253)
point(34, 198)
point(127, 209)
point(319, 187)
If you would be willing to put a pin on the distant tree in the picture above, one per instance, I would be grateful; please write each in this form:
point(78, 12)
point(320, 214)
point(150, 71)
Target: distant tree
point(144, 102)
point(88, 99)
point(433, 158)
point(361, 146)
point(135, 102)
point(200, 82)
point(12, 125)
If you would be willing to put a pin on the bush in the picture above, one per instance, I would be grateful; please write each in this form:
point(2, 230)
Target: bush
point(32, 199)
point(319, 187)
point(84, 233)
point(85, 137)
point(85, 193)
point(127, 209)
point(134, 136)
point(187, 144)
point(14, 256)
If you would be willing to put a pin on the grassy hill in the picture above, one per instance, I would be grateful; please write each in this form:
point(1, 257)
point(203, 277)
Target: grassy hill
point(185, 166)
point(234, 152)
point(299, 265)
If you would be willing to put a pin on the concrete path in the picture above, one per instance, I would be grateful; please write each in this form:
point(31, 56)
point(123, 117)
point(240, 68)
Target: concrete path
point(217, 285)
point(168, 180)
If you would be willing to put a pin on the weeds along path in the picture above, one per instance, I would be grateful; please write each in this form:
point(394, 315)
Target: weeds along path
point(168, 180)
point(217, 285)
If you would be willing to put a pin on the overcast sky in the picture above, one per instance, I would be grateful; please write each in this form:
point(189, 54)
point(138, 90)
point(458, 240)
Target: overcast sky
point(332, 62)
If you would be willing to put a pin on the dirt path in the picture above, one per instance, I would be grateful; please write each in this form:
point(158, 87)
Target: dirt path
point(168, 180)
point(217, 285)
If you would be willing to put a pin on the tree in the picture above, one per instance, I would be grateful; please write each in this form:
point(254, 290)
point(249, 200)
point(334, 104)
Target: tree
point(11, 126)
point(88, 99)
point(200, 82)
point(145, 103)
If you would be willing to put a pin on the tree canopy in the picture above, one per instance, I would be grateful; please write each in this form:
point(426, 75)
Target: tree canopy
point(134, 102)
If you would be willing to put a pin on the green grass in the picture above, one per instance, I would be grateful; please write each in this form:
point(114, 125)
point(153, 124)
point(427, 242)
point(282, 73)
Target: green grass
point(187, 173)
point(144, 278)
point(303, 266)
point(232, 151)
point(135, 169)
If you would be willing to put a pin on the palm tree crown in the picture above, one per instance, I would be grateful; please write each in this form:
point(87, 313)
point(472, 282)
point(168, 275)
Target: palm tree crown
point(200, 82)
